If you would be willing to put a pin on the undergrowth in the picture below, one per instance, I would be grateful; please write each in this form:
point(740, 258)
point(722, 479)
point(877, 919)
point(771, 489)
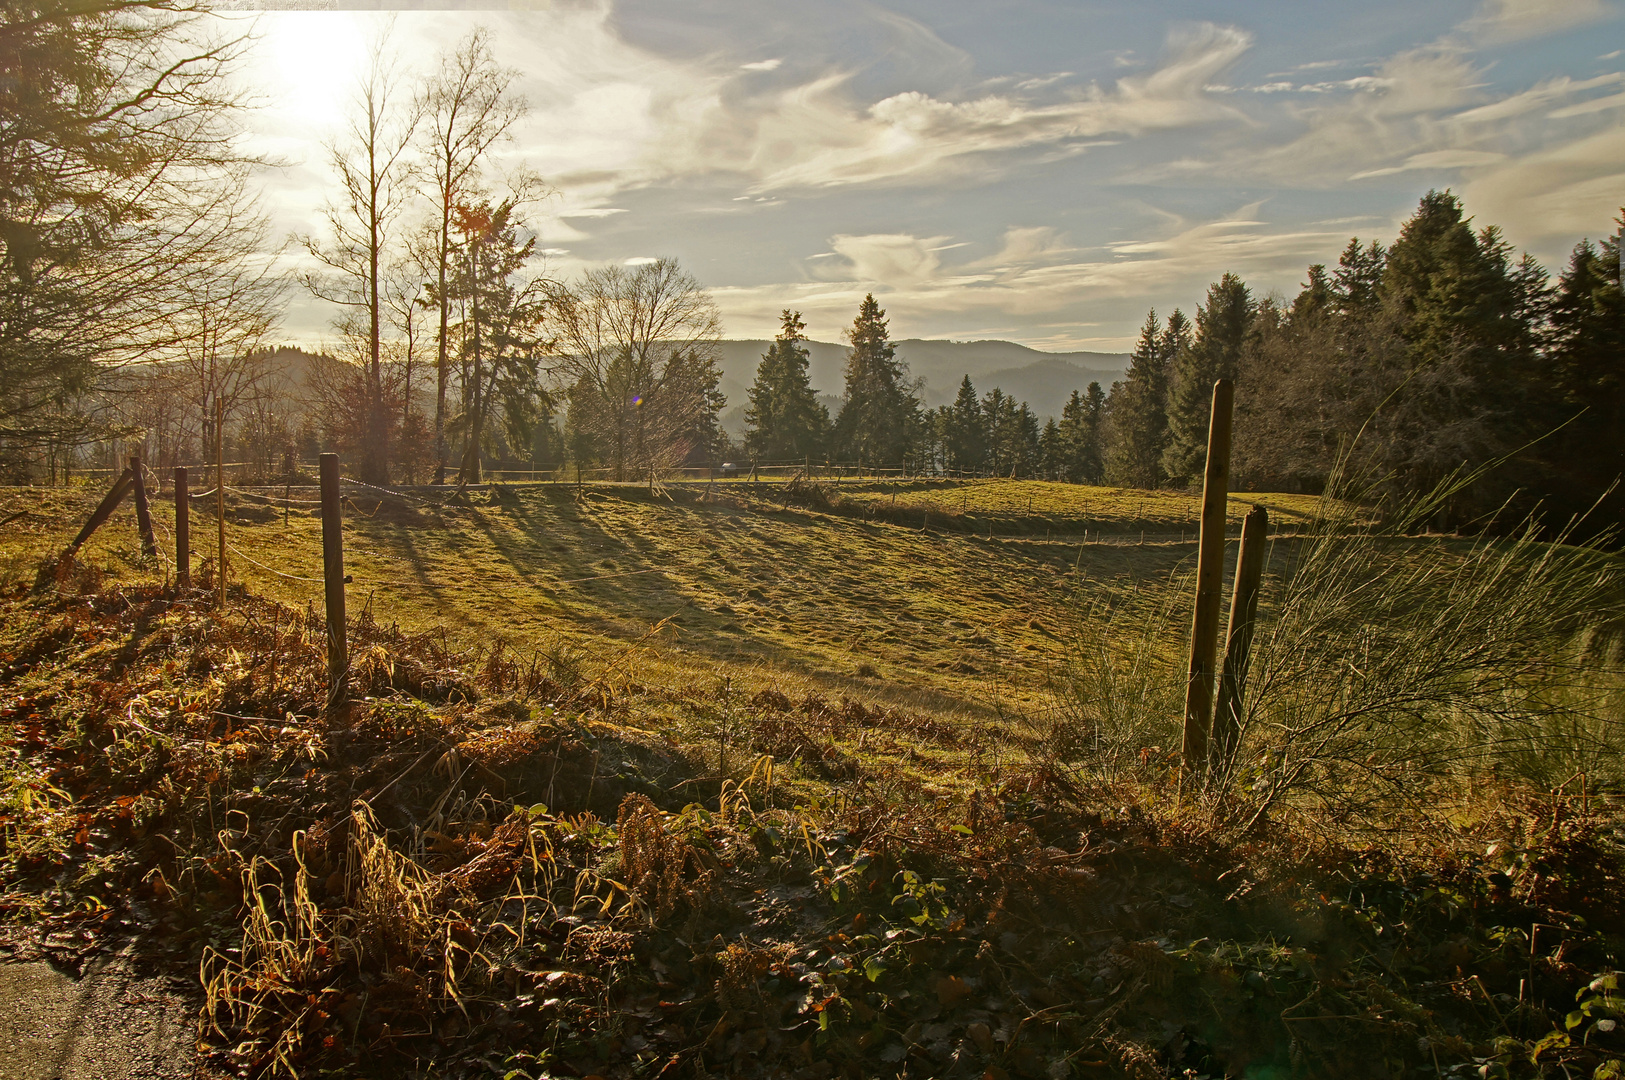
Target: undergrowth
point(509, 865)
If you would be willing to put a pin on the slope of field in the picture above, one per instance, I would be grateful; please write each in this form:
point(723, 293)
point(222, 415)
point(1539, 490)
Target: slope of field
point(727, 807)
point(947, 618)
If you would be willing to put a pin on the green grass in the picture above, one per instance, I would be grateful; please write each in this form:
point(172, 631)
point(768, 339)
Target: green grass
point(1036, 505)
point(945, 621)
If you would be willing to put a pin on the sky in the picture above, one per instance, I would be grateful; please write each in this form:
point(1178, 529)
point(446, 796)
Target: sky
point(1028, 170)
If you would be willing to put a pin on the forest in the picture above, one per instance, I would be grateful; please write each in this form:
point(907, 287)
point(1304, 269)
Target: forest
point(462, 701)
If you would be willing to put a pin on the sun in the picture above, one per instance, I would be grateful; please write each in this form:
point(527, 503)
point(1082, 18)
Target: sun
point(304, 67)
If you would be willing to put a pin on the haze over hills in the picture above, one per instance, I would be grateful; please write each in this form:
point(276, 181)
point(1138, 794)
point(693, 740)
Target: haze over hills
point(1042, 379)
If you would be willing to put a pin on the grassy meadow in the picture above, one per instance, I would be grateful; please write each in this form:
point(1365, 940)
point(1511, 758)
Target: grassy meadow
point(777, 780)
point(726, 578)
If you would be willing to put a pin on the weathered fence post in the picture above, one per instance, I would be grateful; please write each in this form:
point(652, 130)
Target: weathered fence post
point(143, 510)
point(1209, 582)
point(1239, 639)
point(338, 650)
point(220, 502)
point(183, 531)
point(109, 503)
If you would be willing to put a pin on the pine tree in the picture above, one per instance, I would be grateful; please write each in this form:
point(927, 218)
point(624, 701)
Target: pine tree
point(1222, 328)
point(1464, 363)
point(964, 437)
point(1357, 278)
point(1052, 450)
point(1588, 381)
point(1001, 422)
point(1138, 411)
point(1081, 433)
point(880, 415)
point(1028, 442)
point(785, 420)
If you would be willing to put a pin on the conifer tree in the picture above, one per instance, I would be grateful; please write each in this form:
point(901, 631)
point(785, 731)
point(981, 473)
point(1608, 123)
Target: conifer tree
point(880, 414)
point(1587, 374)
point(1357, 278)
point(1463, 365)
point(1081, 433)
point(964, 435)
point(785, 420)
point(1028, 448)
point(1052, 450)
point(999, 420)
point(1138, 411)
point(1222, 328)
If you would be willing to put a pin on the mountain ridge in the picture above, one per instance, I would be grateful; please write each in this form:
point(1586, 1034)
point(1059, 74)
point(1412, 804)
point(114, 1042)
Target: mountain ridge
point(1042, 379)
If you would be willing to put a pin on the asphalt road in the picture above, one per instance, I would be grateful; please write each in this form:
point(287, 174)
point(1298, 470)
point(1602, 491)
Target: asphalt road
point(112, 1023)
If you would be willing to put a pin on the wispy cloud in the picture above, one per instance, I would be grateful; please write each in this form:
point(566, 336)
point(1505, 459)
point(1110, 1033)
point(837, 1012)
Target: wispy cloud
point(1036, 272)
point(1498, 22)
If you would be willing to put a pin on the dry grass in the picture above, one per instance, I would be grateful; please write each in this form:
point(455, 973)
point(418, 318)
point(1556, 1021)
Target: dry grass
point(954, 624)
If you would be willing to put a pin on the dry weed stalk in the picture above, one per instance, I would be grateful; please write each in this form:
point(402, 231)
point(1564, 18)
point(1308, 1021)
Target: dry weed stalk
point(1385, 665)
point(289, 953)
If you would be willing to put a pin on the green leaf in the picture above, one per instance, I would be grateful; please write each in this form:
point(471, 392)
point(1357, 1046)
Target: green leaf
point(1574, 1019)
point(1555, 1040)
point(962, 830)
point(874, 969)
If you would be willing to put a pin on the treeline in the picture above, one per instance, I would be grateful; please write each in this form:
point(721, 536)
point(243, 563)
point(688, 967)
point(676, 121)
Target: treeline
point(1442, 354)
point(140, 296)
point(881, 422)
point(1437, 355)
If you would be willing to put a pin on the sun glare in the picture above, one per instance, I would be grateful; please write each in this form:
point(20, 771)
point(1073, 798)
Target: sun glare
point(306, 65)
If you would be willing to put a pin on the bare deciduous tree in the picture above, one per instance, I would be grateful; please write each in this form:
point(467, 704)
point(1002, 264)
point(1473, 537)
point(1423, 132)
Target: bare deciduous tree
point(119, 174)
point(377, 181)
point(467, 107)
point(638, 360)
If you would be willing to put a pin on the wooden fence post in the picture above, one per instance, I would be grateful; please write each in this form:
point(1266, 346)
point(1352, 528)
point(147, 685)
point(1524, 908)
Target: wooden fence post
point(143, 510)
point(109, 503)
point(1239, 640)
point(338, 649)
point(183, 531)
point(220, 501)
point(1209, 582)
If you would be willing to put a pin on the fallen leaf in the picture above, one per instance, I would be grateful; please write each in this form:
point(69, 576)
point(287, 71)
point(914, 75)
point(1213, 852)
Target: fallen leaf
point(951, 990)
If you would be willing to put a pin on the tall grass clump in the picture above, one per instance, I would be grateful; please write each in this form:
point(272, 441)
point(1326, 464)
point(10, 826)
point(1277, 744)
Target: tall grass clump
point(1387, 668)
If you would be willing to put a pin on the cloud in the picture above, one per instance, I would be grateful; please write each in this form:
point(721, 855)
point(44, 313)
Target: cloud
point(1594, 105)
point(1553, 197)
point(1035, 273)
point(1436, 159)
point(763, 65)
point(1499, 22)
point(890, 258)
point(815, 136)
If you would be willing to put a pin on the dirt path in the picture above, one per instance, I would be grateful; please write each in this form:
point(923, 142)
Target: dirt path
point(115, 1022)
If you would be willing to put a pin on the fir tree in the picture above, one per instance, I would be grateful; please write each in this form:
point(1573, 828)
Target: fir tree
point(1028, 448)
point(1138, 411)
point(998, 419)
point(1587, 374)
point(1463, 368)
point(785, 420)
point(1222, 328)
point(1052, 449)
point(880, 414)
point(1357, 278)
point(964, 437)
point(1081, 433)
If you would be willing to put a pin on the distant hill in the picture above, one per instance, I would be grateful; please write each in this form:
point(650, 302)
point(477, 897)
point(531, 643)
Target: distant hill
point(1042, 379)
